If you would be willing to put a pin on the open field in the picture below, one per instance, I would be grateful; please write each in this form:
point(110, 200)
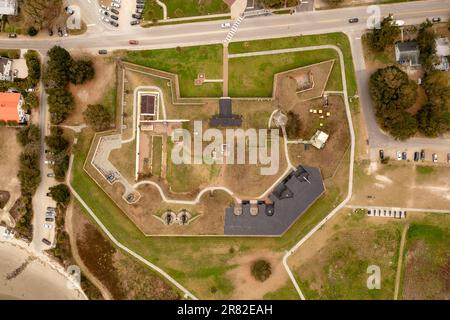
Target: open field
point(186, 62)
point(401, 185)
point(157, 144)
point(101, 89)
point(427, 260)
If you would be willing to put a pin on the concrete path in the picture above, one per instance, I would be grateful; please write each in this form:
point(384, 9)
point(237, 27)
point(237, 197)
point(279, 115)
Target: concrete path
point(164, 7)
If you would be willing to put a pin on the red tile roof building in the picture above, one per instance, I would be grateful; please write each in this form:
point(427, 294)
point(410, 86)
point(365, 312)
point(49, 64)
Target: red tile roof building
point(11, 107)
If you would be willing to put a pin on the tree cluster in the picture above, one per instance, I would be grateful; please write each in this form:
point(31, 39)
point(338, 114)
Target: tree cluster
point(293, 125)
point(98, 117)
point(427, 45)
point(392, 94)
point(57, 145)
point(384, 36)
point(60, 194)
point(39, 14)
point(277, 4)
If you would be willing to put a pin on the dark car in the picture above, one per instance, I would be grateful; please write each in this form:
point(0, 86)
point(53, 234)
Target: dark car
point(49, 219)
point(134, 22)
point(60, 33)
point(139, 6)
point(115, 11)
point(140, 1)
point(422, 155)
point(353, 20)
point(102, 51)
point(136, 16)
point(416, 156)
point(46, 242)
point(12, 35)
point(404, 156)
point(381, 153)
point(115, 24)
point(114, 17)
point(50, 32)
point(436, 19)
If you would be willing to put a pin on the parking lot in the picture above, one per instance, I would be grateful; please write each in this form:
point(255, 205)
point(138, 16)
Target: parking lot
point(121, 14)
point(429, 156)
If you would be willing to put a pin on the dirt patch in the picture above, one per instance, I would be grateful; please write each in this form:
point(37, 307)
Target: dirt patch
point(246, 286)
point(4, 198)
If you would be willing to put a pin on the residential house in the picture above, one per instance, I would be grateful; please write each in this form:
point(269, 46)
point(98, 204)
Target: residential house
point(8, 7)
point(442, 53)
point(407, 53)
point(11, 107)
point(6, 69)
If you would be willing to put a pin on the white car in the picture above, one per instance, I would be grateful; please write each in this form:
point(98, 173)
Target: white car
point(225, 25)
point(102, 11)
point(116, 1)
point(8, 234)
point(105, 19)
point(113, 4)
point(399, 155)
point(435, 157)
point(47, 226)
point(49, 162)
point(105, 7)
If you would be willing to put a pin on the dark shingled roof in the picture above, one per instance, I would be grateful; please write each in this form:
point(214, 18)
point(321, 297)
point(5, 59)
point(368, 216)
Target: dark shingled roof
point(148, 104)
point(290, 199)
point(225, 118)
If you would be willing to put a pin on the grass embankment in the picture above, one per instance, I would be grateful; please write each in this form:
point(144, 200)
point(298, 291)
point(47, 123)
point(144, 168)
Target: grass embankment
point(338, 39)
point(191, 8)
point(187, 62)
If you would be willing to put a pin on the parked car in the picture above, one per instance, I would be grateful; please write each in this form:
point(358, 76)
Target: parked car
point(422, 155)
point(50, 32)
point(51, 209)
point(139, 6)
point(50, 214)
point(448, 157)
point(416, 156)
point(353, 20)
point(134, 22)
point(133, 42)
point(381, 153)
point(48, 194)
point(115, 24)
point(115, 11)
point(139, 10)
point(113, 4)
point(140, 1)
point(49, 162)
point(103, 11)
point(69, 11)
point(102, 51)
point(48, 226)
point(225, 25)
point(105, 19)
point(114, 17)
point(50, 175)
point(399, 155)
point(436, 19)
point(404, 156)
point(12, 35)
point(49, 219)
point(46, 242)
point(136, 16)
point(435, 157)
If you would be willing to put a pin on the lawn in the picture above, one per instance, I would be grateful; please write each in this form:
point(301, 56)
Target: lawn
point(338, 39)
point(256, 79)
point(427, 261)
point(191, 8)
point(152, 11)
point(187, 63)
point(157, 155)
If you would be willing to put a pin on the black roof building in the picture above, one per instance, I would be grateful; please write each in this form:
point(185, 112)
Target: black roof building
point(290, 199)
point(225, 118)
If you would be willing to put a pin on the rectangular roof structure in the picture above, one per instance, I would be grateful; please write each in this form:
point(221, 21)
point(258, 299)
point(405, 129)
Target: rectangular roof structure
point(225, 118)
point(407, 52)
point(290, 199)
point(148, 104)
point(9, 102)
point(8, 7)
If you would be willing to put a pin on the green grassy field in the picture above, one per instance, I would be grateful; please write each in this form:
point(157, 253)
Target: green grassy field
point(190, 8)
point(256, 79)
point(187, 62)
point(338, 39)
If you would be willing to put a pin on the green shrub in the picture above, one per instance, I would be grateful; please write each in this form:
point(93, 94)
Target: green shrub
point(261, 270)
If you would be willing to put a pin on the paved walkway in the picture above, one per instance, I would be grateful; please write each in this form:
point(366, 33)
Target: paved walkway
point(164, 7)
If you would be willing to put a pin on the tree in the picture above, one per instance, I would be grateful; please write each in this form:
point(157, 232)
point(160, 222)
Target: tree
point(275, 4)
point(32, 31)
point(392, 93)
point(29, 174)
point(293, 125)
point(56, 141)
point(34, 67)
point(384, 36)
point(28, 134)
point(98, 117)
point(60, 193)
point(437, 87)
point(31, 101)
point(432, 120)
point(61, 165)
point(56, 74)
point(60, 103)
point(333, 3)
point(40, 13)
point(427, 45)
point(81, 71)
point(261, 270)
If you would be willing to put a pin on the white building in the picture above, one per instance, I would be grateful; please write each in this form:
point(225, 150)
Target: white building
point(6, 72)
point(8, 7)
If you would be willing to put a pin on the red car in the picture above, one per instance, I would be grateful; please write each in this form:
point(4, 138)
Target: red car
point(133, 42)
